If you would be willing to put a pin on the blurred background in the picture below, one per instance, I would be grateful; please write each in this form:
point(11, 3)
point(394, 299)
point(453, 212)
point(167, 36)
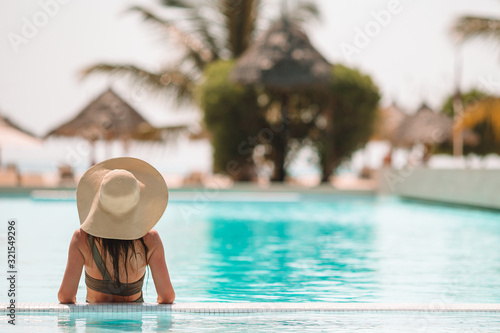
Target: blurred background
point(212, 92)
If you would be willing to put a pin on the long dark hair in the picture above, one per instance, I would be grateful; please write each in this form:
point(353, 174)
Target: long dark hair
point(119, 249)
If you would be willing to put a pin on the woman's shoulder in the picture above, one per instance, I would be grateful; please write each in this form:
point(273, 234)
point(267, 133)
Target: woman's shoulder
point(79, 241)
point(152, 238)
point(79, 237)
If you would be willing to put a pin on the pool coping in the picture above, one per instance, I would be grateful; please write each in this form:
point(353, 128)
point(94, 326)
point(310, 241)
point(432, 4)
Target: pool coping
point(30, 308)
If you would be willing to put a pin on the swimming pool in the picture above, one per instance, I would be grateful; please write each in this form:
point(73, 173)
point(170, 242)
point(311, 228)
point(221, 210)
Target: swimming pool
point(280, 247)
point(403, 322)
point(286, 247)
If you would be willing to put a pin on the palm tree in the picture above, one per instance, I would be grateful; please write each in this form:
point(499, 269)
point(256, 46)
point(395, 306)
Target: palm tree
point(207, 31)
point(485, 111)
point(468, 27)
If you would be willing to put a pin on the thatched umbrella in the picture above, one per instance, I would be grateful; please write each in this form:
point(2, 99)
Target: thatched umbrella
point(387, 122)
point(108, 117)
point(13, 135)
point(428, 128)
point(424, 127)
point(283, 61)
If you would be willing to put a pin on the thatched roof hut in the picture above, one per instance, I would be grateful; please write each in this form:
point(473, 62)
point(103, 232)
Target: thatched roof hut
point(11, 133)
point(283, 60)
point(428, 127)
point(15, 136)
point(424, 127)
point(387, 122)
point(10, 123)
point(108, 117)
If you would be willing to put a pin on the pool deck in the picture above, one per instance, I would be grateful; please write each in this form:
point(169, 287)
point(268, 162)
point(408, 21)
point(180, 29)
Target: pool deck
point(29, 308)
point(476, 188)
point(208, 192)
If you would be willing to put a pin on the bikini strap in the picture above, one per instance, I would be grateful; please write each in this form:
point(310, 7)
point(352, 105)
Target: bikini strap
point(98, 259)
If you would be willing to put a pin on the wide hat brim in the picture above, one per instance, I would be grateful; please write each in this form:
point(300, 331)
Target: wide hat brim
point(153, 199)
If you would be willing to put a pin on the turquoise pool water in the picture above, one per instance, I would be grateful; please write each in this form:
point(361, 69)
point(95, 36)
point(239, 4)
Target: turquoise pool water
point(262, 322)
point(293, 249)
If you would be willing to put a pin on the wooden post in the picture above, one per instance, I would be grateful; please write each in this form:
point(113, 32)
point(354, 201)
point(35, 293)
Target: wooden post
point(458, 109)
point(280, 172)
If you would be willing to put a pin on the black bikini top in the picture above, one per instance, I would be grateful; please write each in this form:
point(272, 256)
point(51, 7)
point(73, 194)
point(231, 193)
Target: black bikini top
point(107, 285)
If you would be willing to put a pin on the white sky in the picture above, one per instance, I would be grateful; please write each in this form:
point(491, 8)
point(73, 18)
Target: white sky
point(411, 59)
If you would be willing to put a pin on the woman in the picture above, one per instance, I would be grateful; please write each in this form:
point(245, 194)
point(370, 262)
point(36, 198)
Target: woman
point(119, 201)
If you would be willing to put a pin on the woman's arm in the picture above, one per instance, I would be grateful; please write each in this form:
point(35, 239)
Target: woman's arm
point(163, 286)
point(74, 267)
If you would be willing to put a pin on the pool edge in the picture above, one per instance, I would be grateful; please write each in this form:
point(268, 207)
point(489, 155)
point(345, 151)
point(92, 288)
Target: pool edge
point(21, 308)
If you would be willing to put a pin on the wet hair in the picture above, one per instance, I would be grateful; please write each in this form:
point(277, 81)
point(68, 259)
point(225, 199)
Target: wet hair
point(119, 249)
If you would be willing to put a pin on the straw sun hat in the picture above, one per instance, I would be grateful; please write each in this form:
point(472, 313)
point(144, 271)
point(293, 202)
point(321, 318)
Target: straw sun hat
point(121, 198)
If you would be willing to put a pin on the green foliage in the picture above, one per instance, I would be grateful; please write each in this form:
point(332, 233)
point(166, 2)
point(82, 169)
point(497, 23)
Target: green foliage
point(337, 121)
point(355, 100)
point(351, 110)
point(232, 115)
point(467, 98)
point(487, 143)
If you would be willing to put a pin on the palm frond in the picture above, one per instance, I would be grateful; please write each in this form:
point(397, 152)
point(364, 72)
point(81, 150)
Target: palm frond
point(171, 80)
point(300, 11)
point(469, 27)
point(486, 110)
point(150, 17)
point(200, 25)
point(198, 53)
point(178, 4)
